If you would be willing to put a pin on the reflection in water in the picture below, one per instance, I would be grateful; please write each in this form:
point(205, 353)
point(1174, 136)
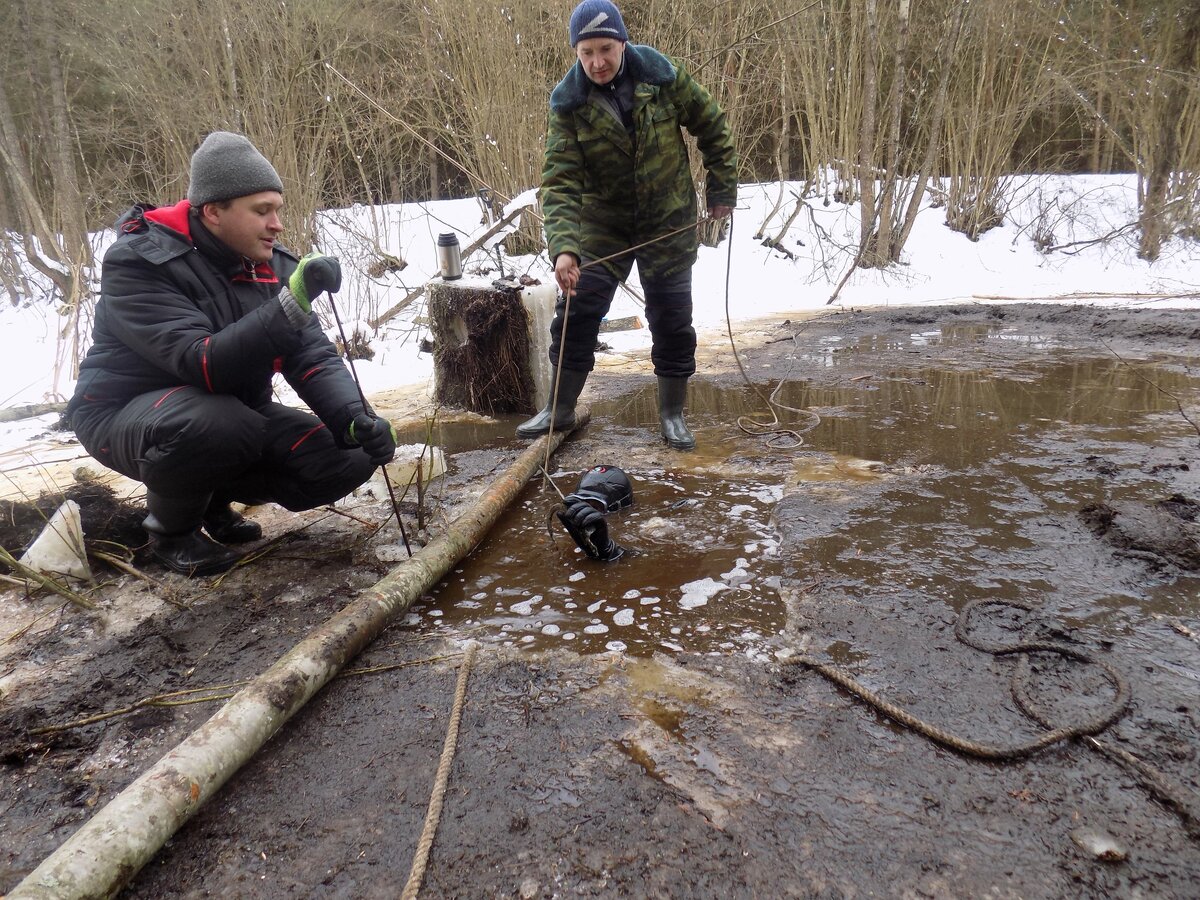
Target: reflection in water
point(705, 564)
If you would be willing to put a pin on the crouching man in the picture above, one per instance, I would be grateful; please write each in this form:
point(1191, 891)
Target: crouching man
point(200, 306)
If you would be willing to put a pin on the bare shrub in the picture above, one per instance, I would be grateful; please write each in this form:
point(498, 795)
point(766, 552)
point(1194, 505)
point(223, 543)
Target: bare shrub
point(998, 86)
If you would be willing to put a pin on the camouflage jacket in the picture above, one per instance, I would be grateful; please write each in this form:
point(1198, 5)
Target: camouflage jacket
point(603, 192)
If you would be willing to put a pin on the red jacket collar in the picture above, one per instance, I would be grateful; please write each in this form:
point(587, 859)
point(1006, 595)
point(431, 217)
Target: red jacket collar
point(173, 217)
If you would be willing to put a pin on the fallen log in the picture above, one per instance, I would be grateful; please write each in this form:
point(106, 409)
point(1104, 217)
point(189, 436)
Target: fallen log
point(29, 410)
point(110, 848)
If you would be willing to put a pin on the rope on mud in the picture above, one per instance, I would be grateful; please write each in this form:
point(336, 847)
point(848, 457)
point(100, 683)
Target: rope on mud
point(1156, 784)
point(434, 814)
point(1150, 778)
point(1020, 679)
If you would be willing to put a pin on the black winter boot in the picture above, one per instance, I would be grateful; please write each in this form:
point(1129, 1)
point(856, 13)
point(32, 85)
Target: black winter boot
point(228, 526)
point(672, 394)
point(570, 386)
point(175, 538)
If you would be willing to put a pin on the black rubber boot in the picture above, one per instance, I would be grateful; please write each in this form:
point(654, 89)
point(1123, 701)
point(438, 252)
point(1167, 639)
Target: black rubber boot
point(672, 394)
point(228, 526)
point(570, 386)
point(175, 538)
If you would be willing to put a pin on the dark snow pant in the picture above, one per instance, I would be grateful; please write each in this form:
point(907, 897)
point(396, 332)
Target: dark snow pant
point(184, 442)
point(668, 313)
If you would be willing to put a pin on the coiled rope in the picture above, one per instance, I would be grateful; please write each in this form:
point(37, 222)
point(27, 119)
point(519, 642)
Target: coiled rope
point(754, 427)
point(1019, 686)
point(1157, 784)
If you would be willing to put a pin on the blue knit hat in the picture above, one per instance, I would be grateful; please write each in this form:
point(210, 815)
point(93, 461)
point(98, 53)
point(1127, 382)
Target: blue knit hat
point(597, 19)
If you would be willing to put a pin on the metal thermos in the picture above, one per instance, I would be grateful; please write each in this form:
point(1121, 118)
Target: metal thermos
point(449, 256)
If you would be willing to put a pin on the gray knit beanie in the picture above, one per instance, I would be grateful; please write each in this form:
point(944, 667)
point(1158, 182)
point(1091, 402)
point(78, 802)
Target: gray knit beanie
point(227, 165)
point(597, 19)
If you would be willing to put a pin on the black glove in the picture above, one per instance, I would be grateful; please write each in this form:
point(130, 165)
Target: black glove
point(589, 530)
point(376, 436)
point(316, 273)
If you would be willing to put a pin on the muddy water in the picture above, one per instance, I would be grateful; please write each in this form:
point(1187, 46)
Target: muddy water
point(700, 573)
point(938, 483)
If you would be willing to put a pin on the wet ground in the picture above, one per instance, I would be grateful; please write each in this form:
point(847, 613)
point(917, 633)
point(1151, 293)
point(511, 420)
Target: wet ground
point(639, 728)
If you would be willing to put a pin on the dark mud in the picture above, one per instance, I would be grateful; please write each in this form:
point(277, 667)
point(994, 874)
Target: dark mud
point(957, 453)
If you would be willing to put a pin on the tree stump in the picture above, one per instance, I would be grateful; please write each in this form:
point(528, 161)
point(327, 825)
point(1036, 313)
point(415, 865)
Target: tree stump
point(486, 347)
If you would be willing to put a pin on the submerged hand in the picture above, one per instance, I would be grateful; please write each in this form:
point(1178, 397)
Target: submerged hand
point(589, 530)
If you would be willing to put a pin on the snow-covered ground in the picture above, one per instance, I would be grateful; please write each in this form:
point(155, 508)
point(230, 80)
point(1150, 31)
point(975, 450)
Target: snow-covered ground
point(1088, 217)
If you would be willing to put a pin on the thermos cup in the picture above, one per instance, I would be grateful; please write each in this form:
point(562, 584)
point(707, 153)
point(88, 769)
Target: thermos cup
point(449, 256)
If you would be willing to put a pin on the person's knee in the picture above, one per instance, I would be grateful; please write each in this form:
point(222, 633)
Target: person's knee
point(340, 473)
point(204, 449)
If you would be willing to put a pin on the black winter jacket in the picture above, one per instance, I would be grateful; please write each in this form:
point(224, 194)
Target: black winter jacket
point(178, 311)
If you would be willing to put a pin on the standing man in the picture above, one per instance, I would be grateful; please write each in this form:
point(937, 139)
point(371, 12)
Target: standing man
point(616, 176)
point(199, 307)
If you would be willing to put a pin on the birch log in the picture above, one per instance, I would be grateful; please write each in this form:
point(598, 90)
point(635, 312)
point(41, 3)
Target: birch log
point(108, 850)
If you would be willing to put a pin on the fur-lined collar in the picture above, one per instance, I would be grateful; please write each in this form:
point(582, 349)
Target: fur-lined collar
point(645, 65)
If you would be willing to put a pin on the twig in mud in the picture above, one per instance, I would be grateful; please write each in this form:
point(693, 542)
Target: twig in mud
point(124, 566)
point(1154, 384)
point(388, 667)
point(173, 698)
point(168, 699)
point(273, 545)
point(46, 581)
point(20, 631)
point(354, 518)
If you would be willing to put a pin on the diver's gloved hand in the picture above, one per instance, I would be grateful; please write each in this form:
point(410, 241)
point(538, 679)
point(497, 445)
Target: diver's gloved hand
point(589, 530)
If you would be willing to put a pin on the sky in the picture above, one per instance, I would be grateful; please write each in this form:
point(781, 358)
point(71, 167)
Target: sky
point(1086, 218)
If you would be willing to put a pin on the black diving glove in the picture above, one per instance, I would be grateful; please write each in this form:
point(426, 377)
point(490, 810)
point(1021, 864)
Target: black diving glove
point(589, 530)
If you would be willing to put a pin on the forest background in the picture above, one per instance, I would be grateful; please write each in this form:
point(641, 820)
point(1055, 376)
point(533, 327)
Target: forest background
point(870, 102)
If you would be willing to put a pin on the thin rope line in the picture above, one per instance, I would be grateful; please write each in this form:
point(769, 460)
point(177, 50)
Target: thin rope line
point(773, 427)
point(562, 346)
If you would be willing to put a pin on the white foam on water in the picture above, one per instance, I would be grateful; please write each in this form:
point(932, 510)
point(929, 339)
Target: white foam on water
point(624, 617)
point(698, 593)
